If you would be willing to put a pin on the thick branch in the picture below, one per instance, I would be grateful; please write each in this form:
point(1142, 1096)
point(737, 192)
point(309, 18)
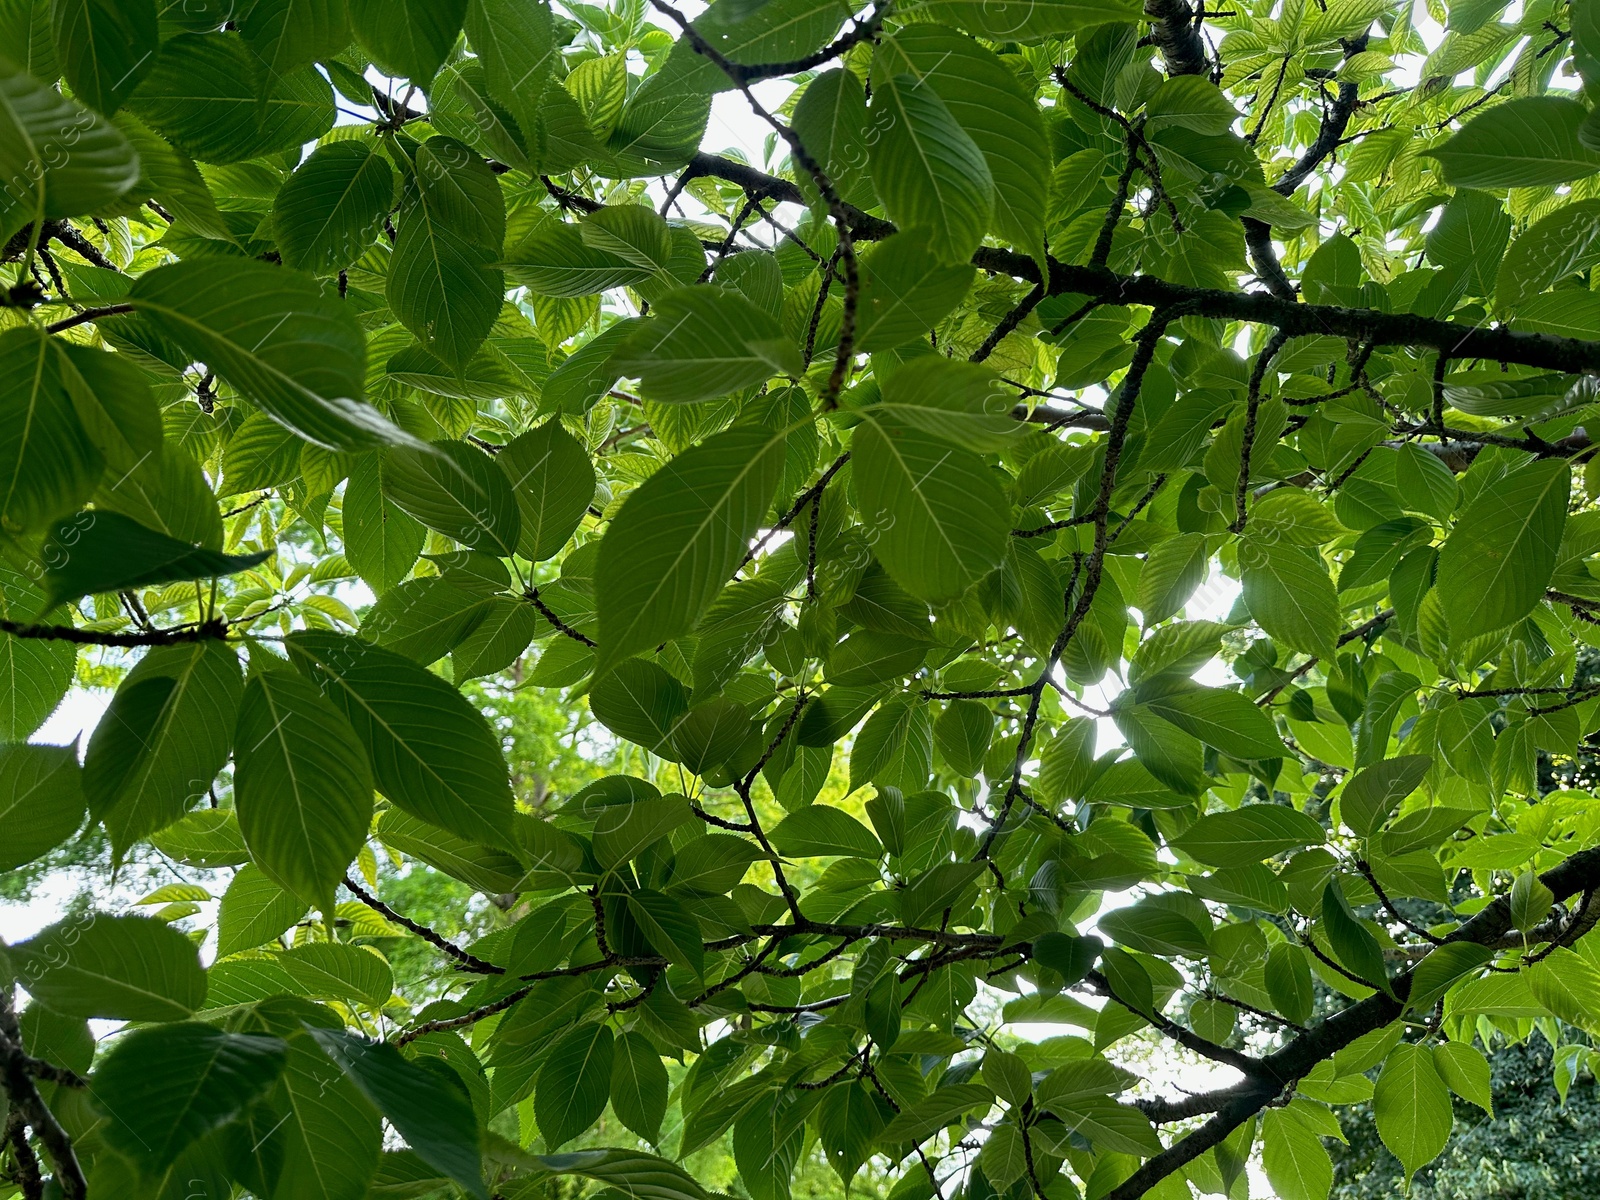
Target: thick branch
point(1177, 36)
point(207, 631)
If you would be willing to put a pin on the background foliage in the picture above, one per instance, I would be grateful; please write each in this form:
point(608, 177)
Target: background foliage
point(665, 664)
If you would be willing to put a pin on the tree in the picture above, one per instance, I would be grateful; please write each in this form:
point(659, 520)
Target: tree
point(829, 488)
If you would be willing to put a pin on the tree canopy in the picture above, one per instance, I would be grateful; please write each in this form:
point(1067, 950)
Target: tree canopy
point(370, 366)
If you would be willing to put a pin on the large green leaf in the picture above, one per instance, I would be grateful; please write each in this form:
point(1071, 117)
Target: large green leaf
point(254, 911)
point(705, 342)
point(107, 47)
point(456, 489)
point(442, 284)
point(410, 38)
point(301, 785)
point(574, 1083)
point(333, 206)
point(163, 1086)
point(1531, 141)
point(1291, 596)
point(928, 171)
point(118, 968)
point(639, 1085)
point(58, 158)
point(1412, 1107)
point(330, 1136)
point(1497, 561)
point(553, 481)
point(99, 551)
point(940, 520)
point(381, 539)
point(431, 752)
point(990, 103)
point(905, 292)
point(1027, 20)
point(1249, 834)
point(516, 44)
point(678, 537)
point(271, 333)
point(434, 1117)
point(203, 95)
point(41, 801)
point(161, 743)
point(48, 465)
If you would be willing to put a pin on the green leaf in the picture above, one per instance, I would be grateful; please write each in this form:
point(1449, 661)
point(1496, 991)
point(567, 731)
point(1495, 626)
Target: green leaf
point(574, 1083)
point(849, 1120)
point(962, 735)
point(107, 552)
point(164, 1086)
point(1557, 245)
point(1531, 901)
point(161, 743)
point(905, 292)
point(705, 342)
point(516, 46)
point(302, 786)
point(255, 911)
point(639, 1085)
point(1444, 967)
point(831, 122)
point(1071, 957)
point(1353, 943)
point(331, 1137)
point(442, 284)
point(1190, 102)
point(34, 673)
point(678, 537)
point(946, 1106)
point(1465, 1071)
point(557, 260)
point(633, 1174)
point(1293, 1157)
point(41, 801)
point(456, 489)
point(1220, 718)
point(1290, 595)
point(928, 172)
point(59, 158)
point(1372, 794)
point(1288, 976)
point(1027, 20)
point(204, 95)
point(941, 521)
point(1412, 1106)
point(1249, 834)
point(432, 753)
point(818, 829)
point(554, 482)
point(332, 208)
point(106, 46)
point(425, 618)
point(118, 968)
point(990, 103)
point(271, 333)
point(434, 1116)
point(381, 539)
point(1531, 141)
point(286, 34)
point(1497, 561)
point(338, 971)
point(48, 464)
point(410, 38)
point(668, 928)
